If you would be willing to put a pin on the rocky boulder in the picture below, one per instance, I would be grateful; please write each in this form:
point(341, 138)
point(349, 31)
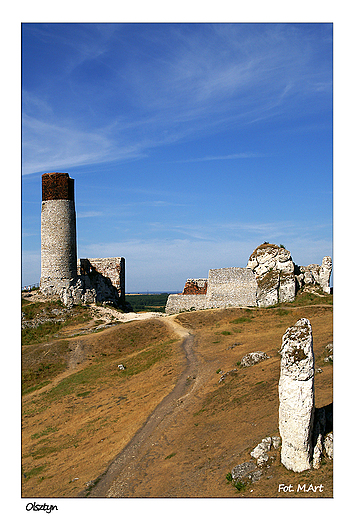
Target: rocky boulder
point(312, 275)
point(252, 358)
point(274, 271)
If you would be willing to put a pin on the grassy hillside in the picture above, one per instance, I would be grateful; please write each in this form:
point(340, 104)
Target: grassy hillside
point(80, 409)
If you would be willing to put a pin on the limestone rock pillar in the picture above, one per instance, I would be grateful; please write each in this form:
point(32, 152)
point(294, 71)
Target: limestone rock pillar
point(296, 396)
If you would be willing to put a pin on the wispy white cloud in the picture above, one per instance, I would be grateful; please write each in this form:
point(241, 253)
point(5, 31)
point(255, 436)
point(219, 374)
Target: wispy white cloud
point(176, 82)
point(47, 146)
point(246, 155)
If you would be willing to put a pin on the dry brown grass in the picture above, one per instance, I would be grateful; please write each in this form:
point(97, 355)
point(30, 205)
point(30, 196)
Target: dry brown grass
point(75, 425)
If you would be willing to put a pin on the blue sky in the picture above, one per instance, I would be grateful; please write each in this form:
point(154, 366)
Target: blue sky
point(190, 144)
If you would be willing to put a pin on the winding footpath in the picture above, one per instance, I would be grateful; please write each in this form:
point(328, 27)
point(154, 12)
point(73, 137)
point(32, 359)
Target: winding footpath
point(117, 479)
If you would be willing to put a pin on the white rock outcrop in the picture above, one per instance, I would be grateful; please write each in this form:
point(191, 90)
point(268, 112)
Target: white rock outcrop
point(274, 271)
point(253, 358)
point(296, 396)
point(328, 445)
point(314, 274)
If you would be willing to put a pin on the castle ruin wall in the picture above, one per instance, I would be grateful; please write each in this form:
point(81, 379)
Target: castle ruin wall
point(85, 281)
point(231, 287)
point(196, 286)
point(186, 302)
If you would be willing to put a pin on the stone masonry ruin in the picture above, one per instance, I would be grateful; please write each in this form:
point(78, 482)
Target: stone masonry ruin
point(270, 277)
point(88, 280)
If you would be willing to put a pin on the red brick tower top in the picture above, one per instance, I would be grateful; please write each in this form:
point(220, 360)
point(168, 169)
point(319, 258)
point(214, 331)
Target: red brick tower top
point(57, 186)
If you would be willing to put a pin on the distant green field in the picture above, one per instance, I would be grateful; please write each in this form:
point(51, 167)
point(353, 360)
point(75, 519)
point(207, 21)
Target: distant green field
point(147, 302)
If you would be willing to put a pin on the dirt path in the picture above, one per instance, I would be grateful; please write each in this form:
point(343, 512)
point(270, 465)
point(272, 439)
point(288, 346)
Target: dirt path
point(119, 477)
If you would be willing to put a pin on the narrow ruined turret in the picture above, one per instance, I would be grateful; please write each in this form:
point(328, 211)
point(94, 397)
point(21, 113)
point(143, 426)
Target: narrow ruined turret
point(58, 233)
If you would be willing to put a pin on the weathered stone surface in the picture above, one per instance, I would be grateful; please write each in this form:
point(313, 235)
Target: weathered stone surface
point(296, 396)
point(329, 351)
point(270, 277)
point(231, 287)
point(232, 372)
point(243, 470)
point(185, 302)
point(328, 445)
point(325, 273)
point(252, 358)
point(317, 452)
point(274, 270)
point(196, 286)
point(260, 451)
point(312, 275)
point(276, 442)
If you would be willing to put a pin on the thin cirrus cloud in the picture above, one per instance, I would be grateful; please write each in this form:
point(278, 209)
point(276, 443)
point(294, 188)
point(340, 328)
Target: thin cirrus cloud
point(183, 83)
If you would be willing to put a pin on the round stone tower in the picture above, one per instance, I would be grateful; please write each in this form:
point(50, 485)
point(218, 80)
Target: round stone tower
point(58, 233)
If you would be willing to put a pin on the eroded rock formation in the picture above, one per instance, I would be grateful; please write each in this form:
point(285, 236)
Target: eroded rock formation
point(274, 270)
point(296, 396)
point(311, 275)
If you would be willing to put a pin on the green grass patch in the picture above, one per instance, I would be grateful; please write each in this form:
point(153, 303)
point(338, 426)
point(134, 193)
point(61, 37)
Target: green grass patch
point(41, 333)
point(239, 485)
point(74, 383)
point(33, 388)
point(229, 477)
point(226, 333)
point(34, 471)
point(84, 394)
point(53, 311)
point(104, 370)
point(144, 360)
point(170, 455)
point(44, 432)
point(35, 378)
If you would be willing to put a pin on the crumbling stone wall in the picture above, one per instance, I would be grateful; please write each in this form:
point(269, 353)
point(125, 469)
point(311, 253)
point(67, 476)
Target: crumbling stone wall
point(110, 268)
point(186, 302)
point(87, 281)
point(196, 286)
point(231, 286)
point(106, 276)
point(270, 277)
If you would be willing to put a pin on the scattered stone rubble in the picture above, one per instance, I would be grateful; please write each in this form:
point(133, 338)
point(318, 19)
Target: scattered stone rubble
point(252, 471)
point(252, 358)
point(229, 373)
point(260, 451)
point(329, 350)
point(53, 316)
